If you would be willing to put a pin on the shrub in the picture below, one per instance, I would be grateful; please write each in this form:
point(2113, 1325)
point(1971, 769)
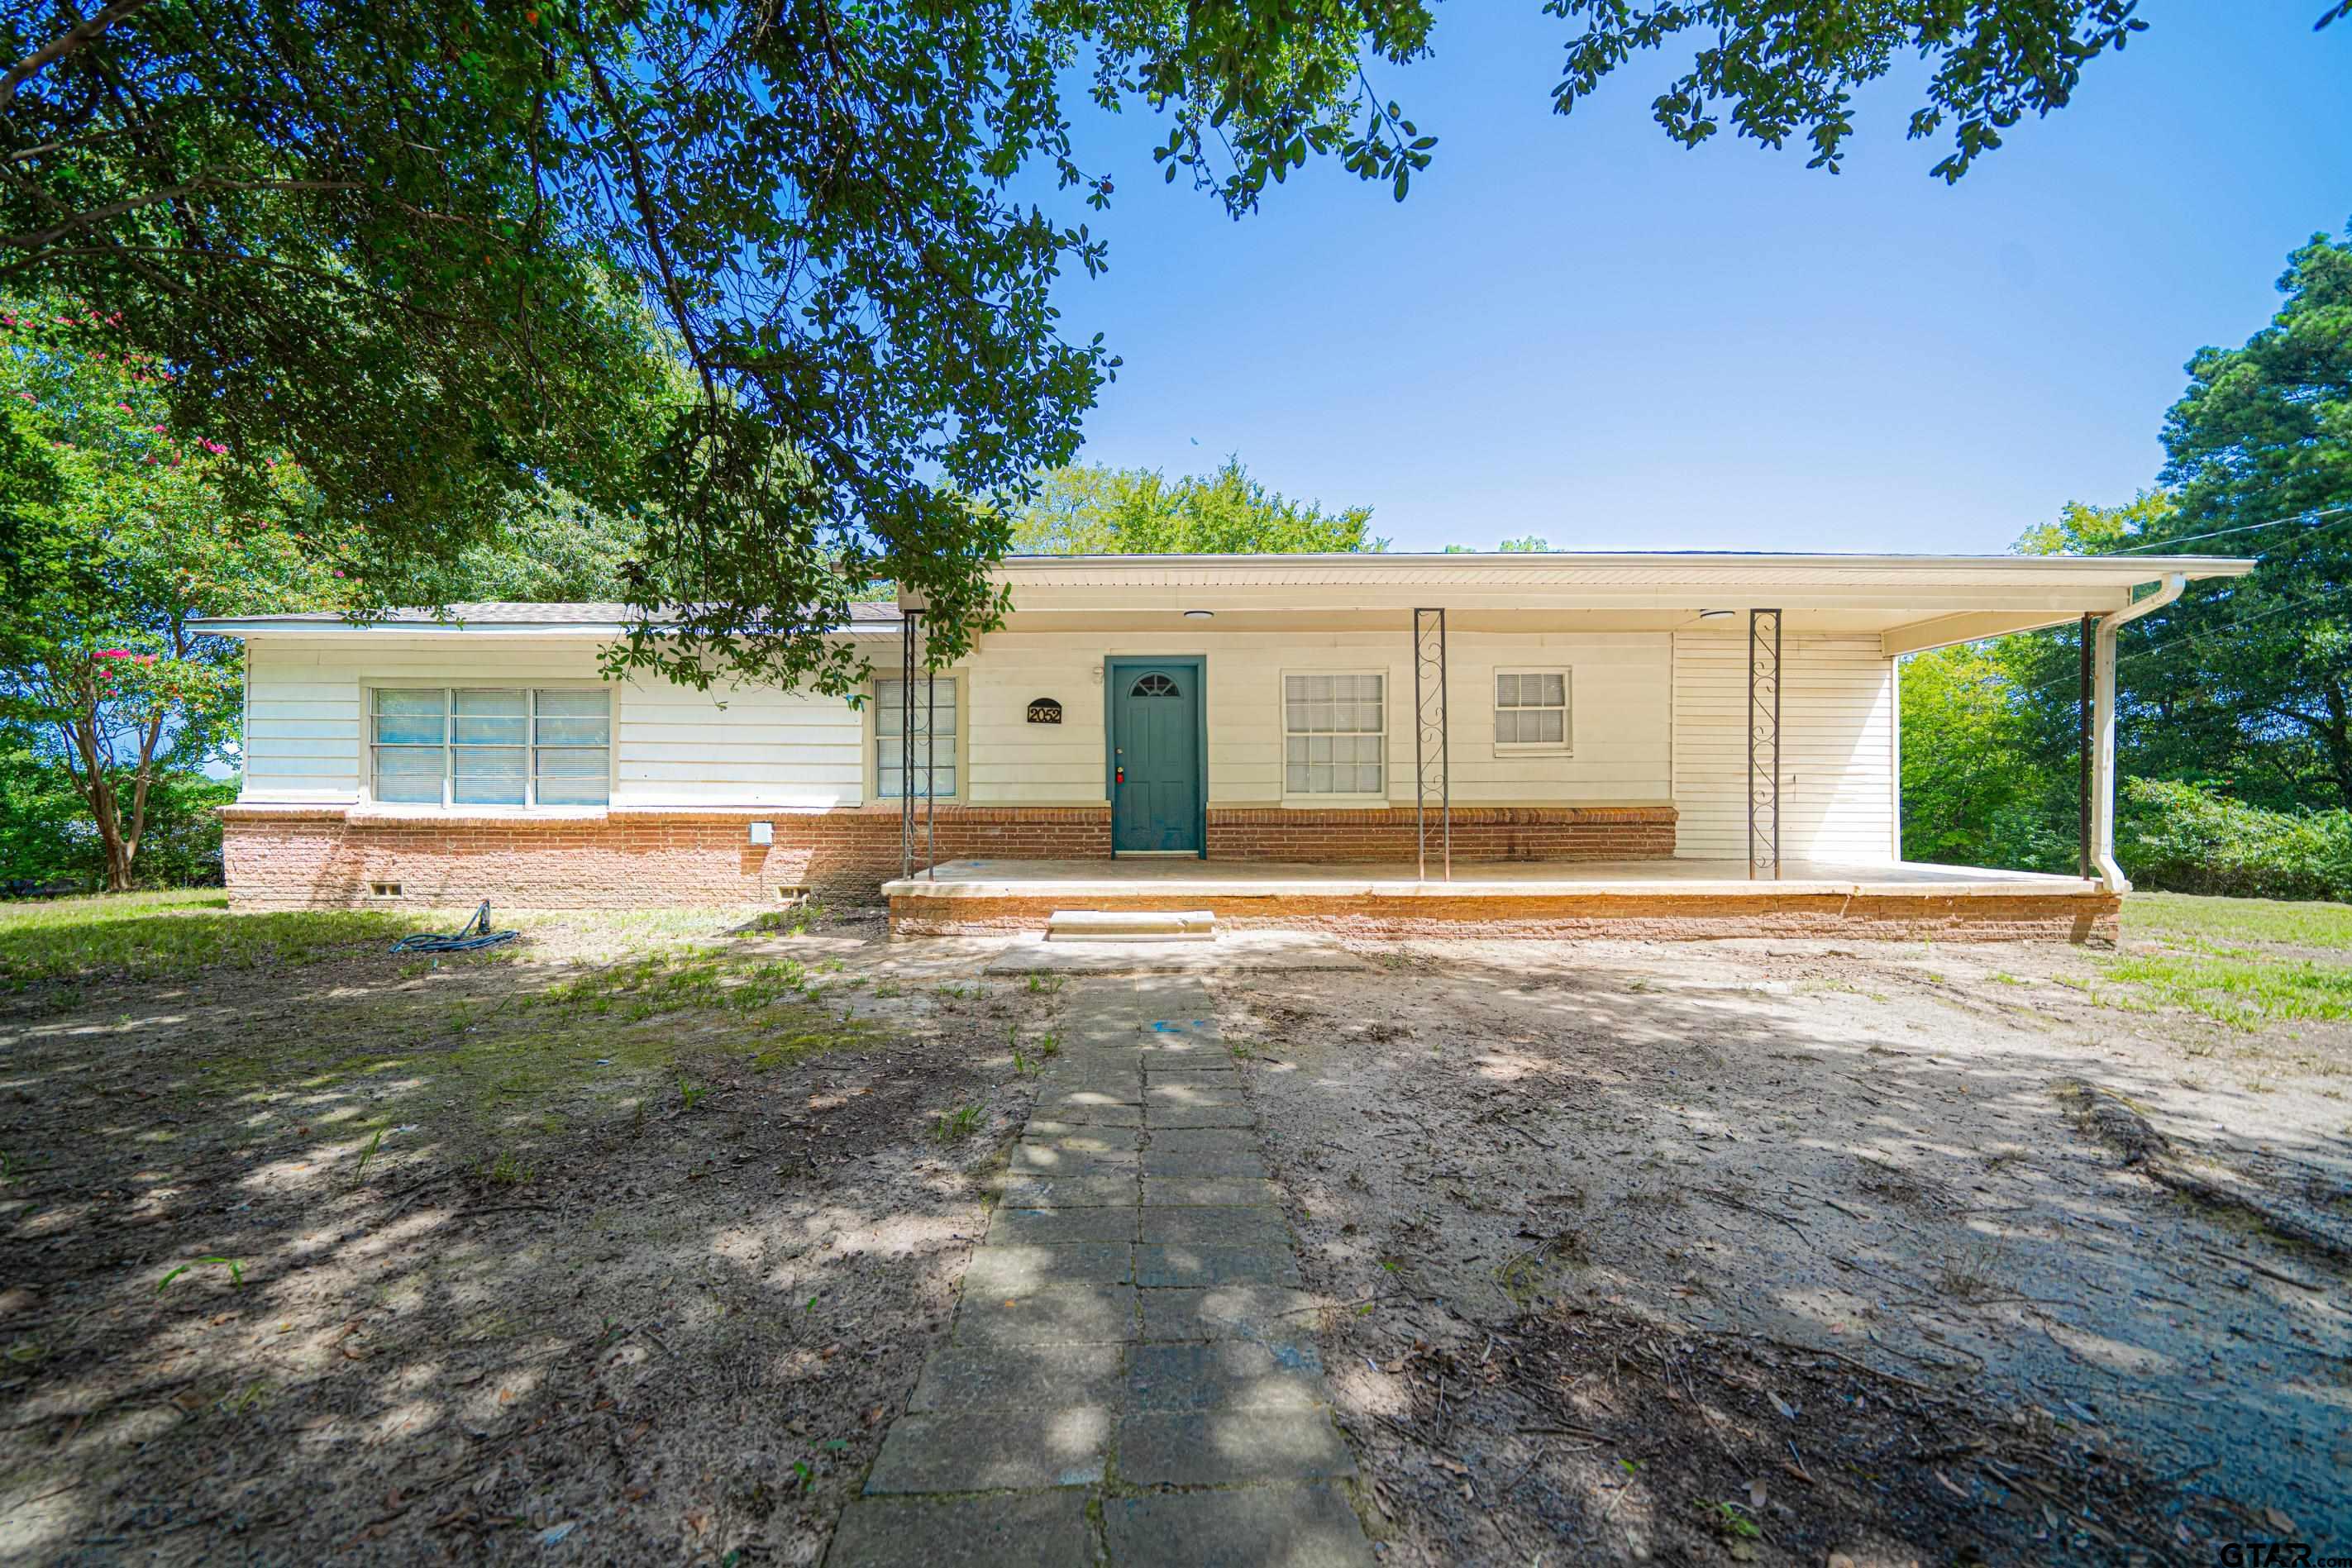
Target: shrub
point(46, 834)
point(2178, 837)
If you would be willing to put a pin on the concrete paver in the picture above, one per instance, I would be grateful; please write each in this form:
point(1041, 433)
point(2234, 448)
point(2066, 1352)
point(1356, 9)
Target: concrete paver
point(999, 1531)
point(1246, 1227)
point(1223, 1446)
point(1163, 1265)
point(1307, 1526)
point(1021, 1377)
point(993, 1450)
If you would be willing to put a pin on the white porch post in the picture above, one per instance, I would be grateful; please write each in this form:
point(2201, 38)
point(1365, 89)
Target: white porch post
point(2102, 743)
point(2103, 759)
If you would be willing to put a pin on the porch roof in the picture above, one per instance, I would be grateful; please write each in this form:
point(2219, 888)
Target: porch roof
point(1912, 602)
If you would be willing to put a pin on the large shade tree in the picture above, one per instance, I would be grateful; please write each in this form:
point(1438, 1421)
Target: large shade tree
point(758, 275)
point(1089, 510)
point(2256, 677)
point(121, 536)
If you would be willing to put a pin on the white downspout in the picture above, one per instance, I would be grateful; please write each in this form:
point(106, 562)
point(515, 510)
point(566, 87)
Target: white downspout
point(2103, 754)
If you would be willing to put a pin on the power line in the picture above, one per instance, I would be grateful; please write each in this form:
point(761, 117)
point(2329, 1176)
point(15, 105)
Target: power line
point(2227, 628)
point(2305, 517)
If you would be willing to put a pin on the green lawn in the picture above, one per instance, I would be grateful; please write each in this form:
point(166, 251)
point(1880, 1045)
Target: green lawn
point(2244, 962)
point(170, 935)
point(2186, 917)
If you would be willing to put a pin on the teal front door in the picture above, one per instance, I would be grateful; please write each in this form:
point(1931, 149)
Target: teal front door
point(1157, 787)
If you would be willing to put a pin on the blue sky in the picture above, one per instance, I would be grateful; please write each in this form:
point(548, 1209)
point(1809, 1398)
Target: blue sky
point(1574, 327)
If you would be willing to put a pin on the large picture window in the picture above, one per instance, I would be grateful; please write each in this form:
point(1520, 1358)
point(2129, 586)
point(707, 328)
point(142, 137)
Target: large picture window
point(889, 716)
point(491, 746)
point(1335, 735)
point(1531, 710)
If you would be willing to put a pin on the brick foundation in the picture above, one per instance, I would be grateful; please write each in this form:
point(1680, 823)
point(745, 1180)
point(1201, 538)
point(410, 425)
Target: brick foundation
point(293, 857)
point(1631, 916)
point(282, 857)
point(1489, 834)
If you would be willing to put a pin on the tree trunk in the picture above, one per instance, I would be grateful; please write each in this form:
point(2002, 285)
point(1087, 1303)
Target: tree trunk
point(2338, 738)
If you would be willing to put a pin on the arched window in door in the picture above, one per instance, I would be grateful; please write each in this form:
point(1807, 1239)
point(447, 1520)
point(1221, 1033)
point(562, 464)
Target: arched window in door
point(1154, 685)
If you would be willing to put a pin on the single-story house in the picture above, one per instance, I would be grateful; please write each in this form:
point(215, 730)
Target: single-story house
point(1664, 744)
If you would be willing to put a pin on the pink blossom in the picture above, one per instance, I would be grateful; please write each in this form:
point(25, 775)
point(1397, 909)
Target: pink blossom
point(114, 653)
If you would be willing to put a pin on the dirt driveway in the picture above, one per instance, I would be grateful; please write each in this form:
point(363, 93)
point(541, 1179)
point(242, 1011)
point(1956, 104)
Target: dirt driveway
point(1779, 1251)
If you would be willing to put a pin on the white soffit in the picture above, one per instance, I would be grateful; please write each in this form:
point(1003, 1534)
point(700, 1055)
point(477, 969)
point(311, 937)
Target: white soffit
point(1651, 573)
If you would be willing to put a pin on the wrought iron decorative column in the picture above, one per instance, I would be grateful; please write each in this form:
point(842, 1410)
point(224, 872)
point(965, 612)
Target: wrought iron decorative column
point(907, 744)
point(2083, 719)
point(1432, 761)
point(931, 767)
point(1764, 744)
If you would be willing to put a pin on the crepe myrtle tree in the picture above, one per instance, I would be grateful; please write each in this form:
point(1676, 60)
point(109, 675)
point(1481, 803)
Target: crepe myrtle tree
point(117, 532)
point(765, 279)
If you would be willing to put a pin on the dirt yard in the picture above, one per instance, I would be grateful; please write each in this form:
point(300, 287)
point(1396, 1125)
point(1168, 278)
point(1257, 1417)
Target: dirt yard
point(624, 1238)
point(624, 1242)
point(1781, 1252)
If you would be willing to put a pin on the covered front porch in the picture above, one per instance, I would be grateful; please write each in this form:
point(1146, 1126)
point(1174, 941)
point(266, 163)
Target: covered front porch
point(1649, 899)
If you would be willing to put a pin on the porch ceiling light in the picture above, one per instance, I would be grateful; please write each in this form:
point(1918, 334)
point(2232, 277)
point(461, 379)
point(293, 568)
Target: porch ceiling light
point(1199, 615)
point(1713, 615)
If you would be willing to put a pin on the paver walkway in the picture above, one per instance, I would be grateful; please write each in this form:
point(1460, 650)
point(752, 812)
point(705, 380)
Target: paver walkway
point(1132, 1373)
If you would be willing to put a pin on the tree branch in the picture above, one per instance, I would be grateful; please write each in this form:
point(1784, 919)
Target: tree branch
point(64, 44)
point(641, 188)
point(48, 237)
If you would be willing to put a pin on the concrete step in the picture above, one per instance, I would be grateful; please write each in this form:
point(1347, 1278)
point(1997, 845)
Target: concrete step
point(1130, 925)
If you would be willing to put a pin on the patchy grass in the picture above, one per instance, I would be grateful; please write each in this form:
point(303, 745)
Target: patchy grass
point(2242, 962)
point(170, 935)
point(2243, 989)
point(663, 983)
point(491, 1064)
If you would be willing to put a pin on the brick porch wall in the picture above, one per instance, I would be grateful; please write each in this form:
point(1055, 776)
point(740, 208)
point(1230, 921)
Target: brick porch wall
point(313, 856)
point(1481, 833)
point(1660, 916)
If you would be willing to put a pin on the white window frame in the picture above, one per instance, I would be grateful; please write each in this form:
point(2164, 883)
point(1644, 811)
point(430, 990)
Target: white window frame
point(949, 680)
point(1282, 726)
point(1566, 744)
point(450, 745)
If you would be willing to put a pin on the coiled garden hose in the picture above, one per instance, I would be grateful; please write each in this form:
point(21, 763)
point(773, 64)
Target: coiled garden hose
point(474, 935)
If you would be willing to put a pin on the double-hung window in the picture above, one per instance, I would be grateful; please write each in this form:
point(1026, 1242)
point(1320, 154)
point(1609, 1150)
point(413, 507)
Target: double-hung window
point(491, 746)
point(1335, 735)
point(1531, 710)
point(935, 707)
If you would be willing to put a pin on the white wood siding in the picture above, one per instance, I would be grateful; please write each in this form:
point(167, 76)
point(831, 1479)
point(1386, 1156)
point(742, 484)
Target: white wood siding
point(672, 747)
point(1837, 740)
point(1656, 717)
point(1622, 683)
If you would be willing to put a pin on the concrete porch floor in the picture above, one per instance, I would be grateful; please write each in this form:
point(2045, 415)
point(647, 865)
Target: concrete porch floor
point(1656, 899)
point(1154, 875)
